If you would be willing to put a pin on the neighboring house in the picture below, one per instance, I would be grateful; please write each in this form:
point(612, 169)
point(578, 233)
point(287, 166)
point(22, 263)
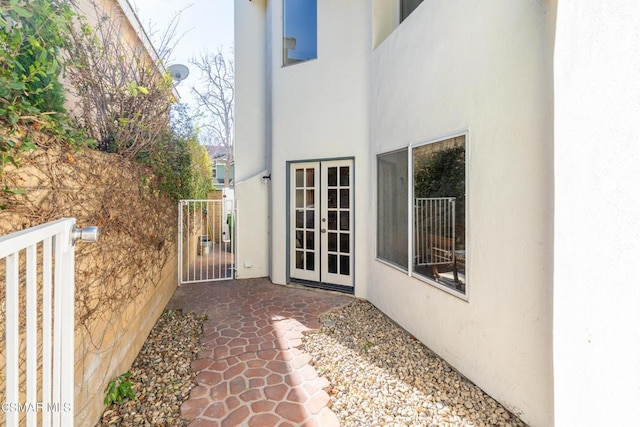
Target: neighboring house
point(519, 266)
point(127, 23)
point(218, 155)
point(219, 166)
point(134, 33)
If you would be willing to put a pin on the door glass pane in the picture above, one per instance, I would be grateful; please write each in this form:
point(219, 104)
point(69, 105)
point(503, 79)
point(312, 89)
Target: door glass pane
point(332, 199)
point(299, 178)
point(310, 201)
point(344, 220)
point(332, 263)
point(299, 235)
point(310, 177)
point(311, 261)
point(344, 198)
point(310, 218)
point(332, 244)
point(344, 176)
point(344, 264)
point(299, 259)
point(333, 220)
point(310, 239)
point(332, 177)
point(299, 198)
point(344, 243)
point(300, 219)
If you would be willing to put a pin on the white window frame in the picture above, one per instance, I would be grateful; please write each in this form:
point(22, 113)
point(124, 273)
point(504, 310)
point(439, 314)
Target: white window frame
point(409, 169)
point(410, 272)
point(464, 296)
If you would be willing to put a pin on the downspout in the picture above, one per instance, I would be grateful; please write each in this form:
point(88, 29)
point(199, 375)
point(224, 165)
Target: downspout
point(268, 127)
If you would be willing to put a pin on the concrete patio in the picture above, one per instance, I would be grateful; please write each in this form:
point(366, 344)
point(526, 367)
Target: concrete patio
point(250, 371)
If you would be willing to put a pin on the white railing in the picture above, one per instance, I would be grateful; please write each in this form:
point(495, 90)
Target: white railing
point(435, 225)
point(39, 315)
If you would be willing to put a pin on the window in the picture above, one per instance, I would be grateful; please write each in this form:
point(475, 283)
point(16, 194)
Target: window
point(439, 204)
point(438, 211)
point(408, 6)
point(393, 225)
point(300, 31)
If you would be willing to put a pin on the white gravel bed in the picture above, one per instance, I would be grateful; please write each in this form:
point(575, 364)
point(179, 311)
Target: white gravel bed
point(382, 376)
point(161, 374)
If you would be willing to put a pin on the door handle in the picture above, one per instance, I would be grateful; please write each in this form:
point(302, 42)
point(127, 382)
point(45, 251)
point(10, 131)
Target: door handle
point(324, 230)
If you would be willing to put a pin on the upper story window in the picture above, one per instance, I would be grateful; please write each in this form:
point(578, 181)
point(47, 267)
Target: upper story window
point(387, 15)
point(300, 31)
point(407, 6)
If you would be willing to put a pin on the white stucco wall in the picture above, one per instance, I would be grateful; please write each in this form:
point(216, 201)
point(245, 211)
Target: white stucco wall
point(597, 213)
point(485, 67)
point(385, 17)
point(252, 225)
point(251, 139)
point(320, 111)
point(251, 87)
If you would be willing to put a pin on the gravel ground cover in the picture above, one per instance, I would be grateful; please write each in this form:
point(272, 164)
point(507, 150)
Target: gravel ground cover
point(161, 374)
point(382, 376)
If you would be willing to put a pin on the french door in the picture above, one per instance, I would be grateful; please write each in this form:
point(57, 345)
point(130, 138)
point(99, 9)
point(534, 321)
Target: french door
point(321, 222)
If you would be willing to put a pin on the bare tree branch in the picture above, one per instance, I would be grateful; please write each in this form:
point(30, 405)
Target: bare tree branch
point(123, 100)
point(166, 39)
point(216, 101)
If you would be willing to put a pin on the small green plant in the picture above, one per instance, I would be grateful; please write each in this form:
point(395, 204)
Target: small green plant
point(119, 389)
point(367, 345)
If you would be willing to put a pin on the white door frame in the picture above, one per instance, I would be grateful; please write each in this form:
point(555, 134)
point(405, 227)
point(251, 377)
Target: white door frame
point(321, 222)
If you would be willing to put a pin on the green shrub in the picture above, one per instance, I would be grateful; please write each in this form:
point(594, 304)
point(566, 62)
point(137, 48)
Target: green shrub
point(32, 35)
point(124, 100)
point(184, 168)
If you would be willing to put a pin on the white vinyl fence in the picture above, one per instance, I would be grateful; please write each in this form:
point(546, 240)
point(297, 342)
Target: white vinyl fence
point(39, 314)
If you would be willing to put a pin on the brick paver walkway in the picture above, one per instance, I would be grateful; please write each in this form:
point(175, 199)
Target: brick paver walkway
point(251, 372)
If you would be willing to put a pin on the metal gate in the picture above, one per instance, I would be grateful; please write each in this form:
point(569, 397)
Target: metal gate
point(206, 240)
point(38, 325)
point(435, 225)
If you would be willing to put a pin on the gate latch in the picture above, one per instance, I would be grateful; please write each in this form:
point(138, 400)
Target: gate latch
point(87, 234)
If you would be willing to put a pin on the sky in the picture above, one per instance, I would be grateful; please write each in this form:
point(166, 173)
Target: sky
point(301, 23)
point(204, 24)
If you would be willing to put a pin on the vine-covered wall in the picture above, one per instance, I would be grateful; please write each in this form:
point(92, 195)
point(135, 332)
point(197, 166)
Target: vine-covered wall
point(125, 279)
point(121, 102)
